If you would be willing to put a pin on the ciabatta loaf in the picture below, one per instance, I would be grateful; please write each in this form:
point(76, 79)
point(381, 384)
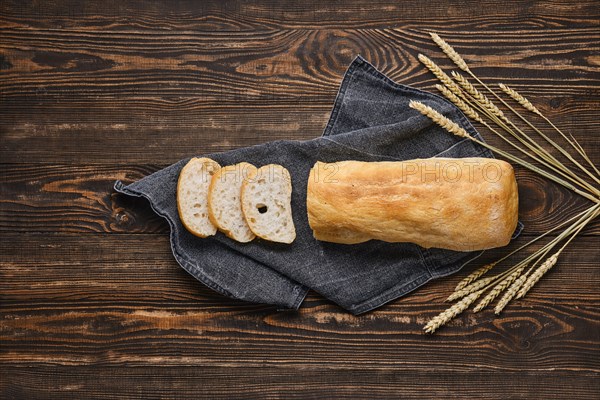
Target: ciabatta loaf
point(224, 202)
point(464, 204)
point(192, 196)
point(266, 203)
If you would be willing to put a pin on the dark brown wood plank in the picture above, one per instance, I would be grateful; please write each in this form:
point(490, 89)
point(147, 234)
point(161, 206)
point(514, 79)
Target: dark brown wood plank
point(70, 198)
point(149, 130)
point(59, 308)
point(213, 15)
point(146, 91)
point(199, 381)
point(127, 269)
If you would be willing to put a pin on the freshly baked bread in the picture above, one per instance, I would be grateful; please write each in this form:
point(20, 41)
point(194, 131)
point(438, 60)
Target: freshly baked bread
point(192, 196)
point(464, 204)
point(224, 203)
point(266, 203)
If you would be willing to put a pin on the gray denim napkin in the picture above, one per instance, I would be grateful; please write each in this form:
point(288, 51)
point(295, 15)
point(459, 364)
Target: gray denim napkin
point(370, 121)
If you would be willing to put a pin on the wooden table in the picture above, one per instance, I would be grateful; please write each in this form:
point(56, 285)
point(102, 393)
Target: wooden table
point(93, 305)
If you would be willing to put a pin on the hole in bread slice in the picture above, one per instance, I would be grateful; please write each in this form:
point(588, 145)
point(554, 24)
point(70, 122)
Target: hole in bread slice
point(266, 203)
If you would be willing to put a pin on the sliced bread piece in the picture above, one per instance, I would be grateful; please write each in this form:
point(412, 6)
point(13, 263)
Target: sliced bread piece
point(266, 203)
point(224, 203)
point(192, 195)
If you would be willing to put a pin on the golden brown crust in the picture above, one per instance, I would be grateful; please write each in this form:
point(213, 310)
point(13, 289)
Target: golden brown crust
point(211, 215)
point(459, 204)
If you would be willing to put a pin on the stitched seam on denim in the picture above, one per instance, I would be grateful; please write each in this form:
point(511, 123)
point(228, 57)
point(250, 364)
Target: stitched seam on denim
point(360, 151)
point(301, 296)
point(389, 295)
point(339, 98)
point(453, 271)
point(395, 158)
point(423, 254)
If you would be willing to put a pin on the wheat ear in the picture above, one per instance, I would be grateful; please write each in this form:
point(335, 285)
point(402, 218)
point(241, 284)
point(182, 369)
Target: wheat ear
point(477, 95)
point(457, 59)
point(527, 105)
point(439, 119)
point(499, 288)
point(455, 129)
point(474, 275)
point(451, 312)
point(535, 277)
point(450, 52)
point(510, 293)
point(440, 74)
point(469, 112)
point(473, 287)
point(519, 99)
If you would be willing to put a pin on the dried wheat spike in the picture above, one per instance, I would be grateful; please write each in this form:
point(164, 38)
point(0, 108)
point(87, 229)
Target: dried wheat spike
point(499, 288)
point(535, 277)
point(480, 97)
point(469, 112)
point(450, 313)
point(450, 52)
point(439, 119)
point(474, 275)
point(519, 99)
point(440, 74)
point(510, 293)
point(473, 287)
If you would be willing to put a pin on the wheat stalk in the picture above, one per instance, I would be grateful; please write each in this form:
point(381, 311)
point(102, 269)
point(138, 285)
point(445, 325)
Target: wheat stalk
point(439, 119)
point(457, 130)
point(510, 293)
point(530, 107)
point(499, 288)
point(474, 275)
point(475, 286)
point(469, 112)
point(458, 60)
point(535, 277)
point(448, 314)
point(477, 95)
point(450, 52)
point(519, 99)
point(440, 74)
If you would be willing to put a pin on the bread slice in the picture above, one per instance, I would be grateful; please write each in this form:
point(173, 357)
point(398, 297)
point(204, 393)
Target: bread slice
point(266, 203)
point(192, 195)
point(224, 203)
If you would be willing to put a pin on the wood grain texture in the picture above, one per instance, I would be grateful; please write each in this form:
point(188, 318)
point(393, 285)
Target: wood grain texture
point(117, 311)
point(283, 382)
point(147, 83)
point(92, 303)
